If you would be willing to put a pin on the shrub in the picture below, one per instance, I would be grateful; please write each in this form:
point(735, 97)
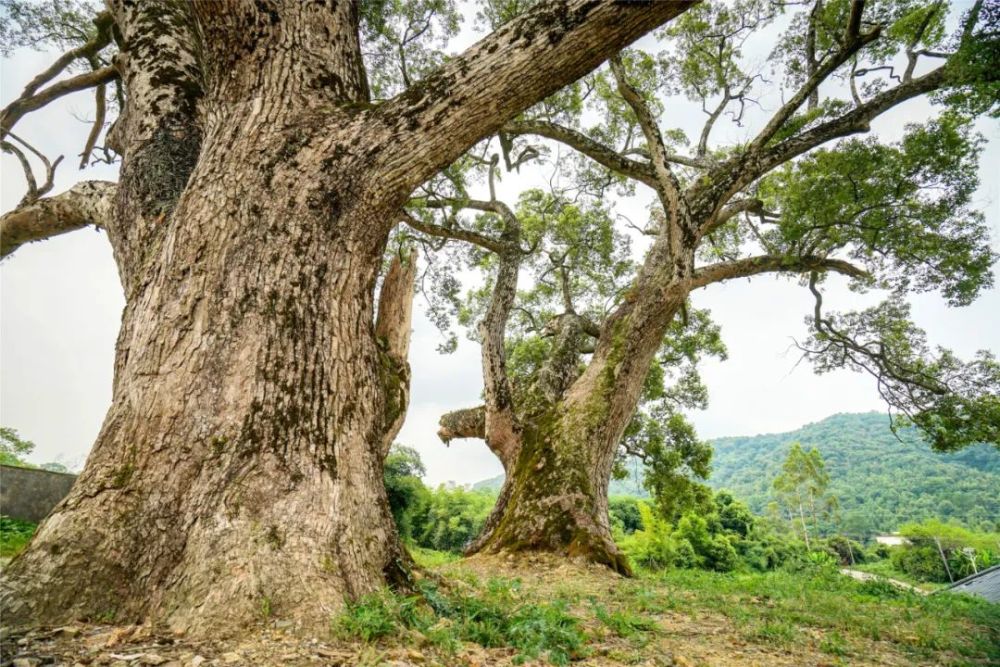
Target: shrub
point(14, 535)
point(920, 562)
point(847, 551)
point(653, 546)
point(625, 514)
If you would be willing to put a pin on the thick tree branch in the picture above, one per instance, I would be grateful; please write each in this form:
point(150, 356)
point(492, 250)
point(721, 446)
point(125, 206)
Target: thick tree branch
point(494, 206)
point(751, 266)
point(157, 132)
point(516, 66)
point(30, 101)
point(392, 330)
point(912, 55)
point(468, 423)
point(852, 43)
point(738, 172)
point(668, 186)
point(854, 121)
point(730, 211)
point(395, 306)
point(811, 63)
point(503, 431)
point(87, 203)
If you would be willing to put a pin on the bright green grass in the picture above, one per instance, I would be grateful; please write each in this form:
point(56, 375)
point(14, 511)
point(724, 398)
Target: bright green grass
point(430, 557)
point(814, 611)
point(779, 606)
point(493, 617)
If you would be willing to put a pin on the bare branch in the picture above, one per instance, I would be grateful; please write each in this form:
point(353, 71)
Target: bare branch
point(599, 153)
point(667, 184)
point(17, 109)
point(710, 123)
point(103, 22)
point(100, 110)
point(853, 42)
point(35, 191)
point(455, 233)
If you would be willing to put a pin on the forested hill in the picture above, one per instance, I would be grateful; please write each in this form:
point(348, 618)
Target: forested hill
point(879, 481)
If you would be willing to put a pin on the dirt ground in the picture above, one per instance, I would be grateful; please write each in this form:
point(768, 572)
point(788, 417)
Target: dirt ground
point(683, 638)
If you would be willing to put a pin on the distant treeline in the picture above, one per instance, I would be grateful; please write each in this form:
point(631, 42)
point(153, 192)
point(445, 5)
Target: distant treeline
point(881, 482)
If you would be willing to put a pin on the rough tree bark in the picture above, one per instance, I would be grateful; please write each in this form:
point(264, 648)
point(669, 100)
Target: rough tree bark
point(555, 495)
point(239, 468)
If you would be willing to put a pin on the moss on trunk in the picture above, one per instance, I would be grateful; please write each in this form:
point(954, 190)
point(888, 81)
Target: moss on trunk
point(552, 501)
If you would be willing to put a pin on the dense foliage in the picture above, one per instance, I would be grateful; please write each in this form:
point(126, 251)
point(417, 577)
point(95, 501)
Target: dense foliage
point(725, 537)
point(881, 482)
point(943, 552)
point(14, 534)
point(13, 448)
point(443, 519)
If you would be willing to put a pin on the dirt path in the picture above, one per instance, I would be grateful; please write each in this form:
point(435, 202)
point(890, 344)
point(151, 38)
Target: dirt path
point(868, 576)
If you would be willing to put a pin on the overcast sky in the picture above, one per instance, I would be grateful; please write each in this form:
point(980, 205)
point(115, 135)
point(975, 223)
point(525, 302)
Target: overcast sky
point(61, 303)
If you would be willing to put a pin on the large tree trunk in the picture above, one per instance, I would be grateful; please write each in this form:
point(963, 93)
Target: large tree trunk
point(238, 472)
point(555, 495)
point(249, 390)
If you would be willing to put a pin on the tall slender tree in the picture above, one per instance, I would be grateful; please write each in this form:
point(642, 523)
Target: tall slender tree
point(255, 392)
point(802, 488)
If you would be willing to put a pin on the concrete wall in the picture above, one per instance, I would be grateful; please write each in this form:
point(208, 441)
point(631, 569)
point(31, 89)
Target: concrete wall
point(29, 495)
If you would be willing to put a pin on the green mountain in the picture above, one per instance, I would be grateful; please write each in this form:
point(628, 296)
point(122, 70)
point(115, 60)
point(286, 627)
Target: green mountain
point(880, 481)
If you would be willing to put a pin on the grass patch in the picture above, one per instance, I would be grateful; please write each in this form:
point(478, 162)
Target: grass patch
point(495, 617)
point(813, 613)
point(834, 644)
point(775, 606)
point(430, 557)
point(623, 622)
point(14, 535)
